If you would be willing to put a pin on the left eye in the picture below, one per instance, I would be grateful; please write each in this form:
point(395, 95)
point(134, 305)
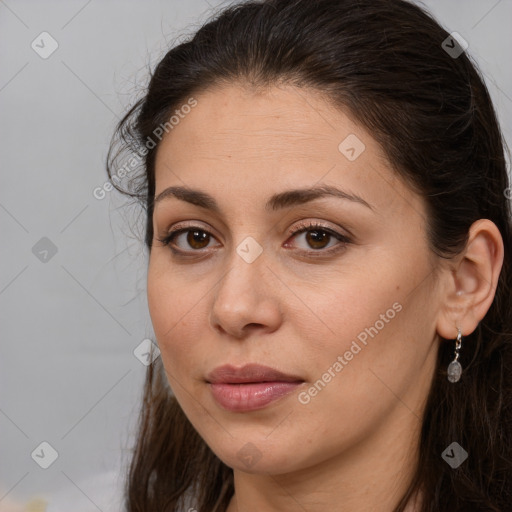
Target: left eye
point(318, 237)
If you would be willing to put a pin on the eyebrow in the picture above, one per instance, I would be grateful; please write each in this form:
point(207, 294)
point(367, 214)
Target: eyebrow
point(278, 201)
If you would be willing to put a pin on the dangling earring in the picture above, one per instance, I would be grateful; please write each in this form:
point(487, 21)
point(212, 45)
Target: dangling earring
point(454, 368)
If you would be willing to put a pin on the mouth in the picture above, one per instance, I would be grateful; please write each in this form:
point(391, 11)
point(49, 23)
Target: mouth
point(251, 387)
point(250, 373)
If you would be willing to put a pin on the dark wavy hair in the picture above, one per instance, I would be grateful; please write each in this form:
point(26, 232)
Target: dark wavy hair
point(384, 61)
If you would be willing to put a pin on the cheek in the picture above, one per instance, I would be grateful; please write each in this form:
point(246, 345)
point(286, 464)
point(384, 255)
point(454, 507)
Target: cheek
point(170, 297)
point(347, 312)
point(161, 303)
point(167, 308)
point(177, 311)
point(375, 350)
point(355, 330)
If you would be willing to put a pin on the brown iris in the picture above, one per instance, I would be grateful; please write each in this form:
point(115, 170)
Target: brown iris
point(197, 236)
point(317, 236)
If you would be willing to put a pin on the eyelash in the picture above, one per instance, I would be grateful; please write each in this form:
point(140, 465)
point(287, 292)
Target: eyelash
point(302, 228)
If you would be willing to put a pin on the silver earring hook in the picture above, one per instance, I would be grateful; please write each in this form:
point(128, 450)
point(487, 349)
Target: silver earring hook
point(454, 368)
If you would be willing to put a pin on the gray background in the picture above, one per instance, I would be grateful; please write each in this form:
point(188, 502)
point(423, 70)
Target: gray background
point(70, 321)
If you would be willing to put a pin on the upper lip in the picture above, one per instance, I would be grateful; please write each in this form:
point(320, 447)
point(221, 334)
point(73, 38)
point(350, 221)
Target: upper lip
point(229, 374)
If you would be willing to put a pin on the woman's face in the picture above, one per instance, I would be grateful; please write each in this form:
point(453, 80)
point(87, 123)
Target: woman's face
point(348, 308)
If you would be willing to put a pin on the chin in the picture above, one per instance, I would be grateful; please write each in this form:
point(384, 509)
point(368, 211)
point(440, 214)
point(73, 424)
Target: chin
point(258, 456)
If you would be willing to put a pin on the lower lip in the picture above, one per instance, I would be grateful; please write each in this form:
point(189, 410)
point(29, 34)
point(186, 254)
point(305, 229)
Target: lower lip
point(251, 396)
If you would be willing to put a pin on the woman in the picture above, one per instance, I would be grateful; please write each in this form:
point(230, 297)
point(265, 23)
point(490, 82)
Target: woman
point(329, 274)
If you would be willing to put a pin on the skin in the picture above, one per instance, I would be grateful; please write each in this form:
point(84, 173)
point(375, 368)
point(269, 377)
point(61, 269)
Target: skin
point(354, 444)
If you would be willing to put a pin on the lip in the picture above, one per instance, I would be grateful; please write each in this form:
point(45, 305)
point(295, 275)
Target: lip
point(229, 374)
point(250, 387)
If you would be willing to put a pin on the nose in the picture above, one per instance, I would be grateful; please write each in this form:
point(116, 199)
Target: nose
point(246, 298)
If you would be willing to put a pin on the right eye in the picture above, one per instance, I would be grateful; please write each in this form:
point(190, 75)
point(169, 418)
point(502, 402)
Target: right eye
point(196, 237)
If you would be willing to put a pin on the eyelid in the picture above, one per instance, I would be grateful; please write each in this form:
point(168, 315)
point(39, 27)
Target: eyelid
point(189, 225)
point(318, 224)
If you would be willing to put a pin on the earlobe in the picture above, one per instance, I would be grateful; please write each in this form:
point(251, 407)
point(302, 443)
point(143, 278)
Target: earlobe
point(471, 284)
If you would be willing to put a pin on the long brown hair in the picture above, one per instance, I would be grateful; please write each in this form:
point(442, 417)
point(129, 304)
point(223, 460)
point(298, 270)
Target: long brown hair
point(385, 62)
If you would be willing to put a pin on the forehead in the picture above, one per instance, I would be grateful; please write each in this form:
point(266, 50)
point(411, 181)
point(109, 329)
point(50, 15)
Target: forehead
point(236, 122)
point(278, 127)
point(260, 141)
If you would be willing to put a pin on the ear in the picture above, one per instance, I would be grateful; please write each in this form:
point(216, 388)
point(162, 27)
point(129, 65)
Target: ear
point(471, 282)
